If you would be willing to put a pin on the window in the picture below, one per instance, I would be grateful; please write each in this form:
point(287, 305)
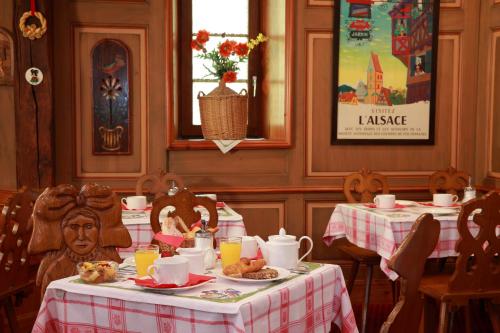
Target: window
point(238, 20)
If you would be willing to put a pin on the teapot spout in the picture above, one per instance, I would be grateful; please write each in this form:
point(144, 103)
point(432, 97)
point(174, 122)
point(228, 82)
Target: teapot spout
point(263, 248)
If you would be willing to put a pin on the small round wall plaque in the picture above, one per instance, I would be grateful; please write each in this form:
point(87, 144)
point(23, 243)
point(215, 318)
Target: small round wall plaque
point(34, 76)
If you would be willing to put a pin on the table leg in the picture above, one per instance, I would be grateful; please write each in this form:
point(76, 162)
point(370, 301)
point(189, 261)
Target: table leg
point(11, 315)
point(366, 302)
point(430, 311)
point(352, 276)
point(443, 318)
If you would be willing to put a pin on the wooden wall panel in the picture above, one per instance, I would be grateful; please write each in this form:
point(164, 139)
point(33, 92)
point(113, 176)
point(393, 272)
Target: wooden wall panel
point(261, 218)
point(89, 165)
point(494, 106)
point(322, 158)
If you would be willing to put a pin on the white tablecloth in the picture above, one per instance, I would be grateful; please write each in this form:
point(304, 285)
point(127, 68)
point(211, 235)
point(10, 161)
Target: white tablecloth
point(304, 303)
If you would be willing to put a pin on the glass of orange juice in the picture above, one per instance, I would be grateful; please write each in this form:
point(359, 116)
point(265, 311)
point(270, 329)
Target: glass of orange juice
point(145, 255)
point(230, 250)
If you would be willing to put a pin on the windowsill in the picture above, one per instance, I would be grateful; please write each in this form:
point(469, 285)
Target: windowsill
point(202, 144)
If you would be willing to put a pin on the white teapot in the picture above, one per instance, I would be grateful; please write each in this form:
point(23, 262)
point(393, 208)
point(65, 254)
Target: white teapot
point(283, 250)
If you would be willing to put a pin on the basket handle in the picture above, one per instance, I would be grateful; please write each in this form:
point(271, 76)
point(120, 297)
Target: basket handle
point(201, 94)
point(244, 92)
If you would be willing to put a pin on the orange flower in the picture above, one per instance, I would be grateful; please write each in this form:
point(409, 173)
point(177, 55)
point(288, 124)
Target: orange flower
point(195, 45)
point(202, 37)
point(226, 48)
point(241, 49)
point(229, 76)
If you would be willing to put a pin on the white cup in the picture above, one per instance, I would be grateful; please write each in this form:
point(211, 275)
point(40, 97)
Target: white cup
point(196, 258)
point(170, 270)
point(385, 201)
point(444, 199)
point(248, 247)
point(135, 202)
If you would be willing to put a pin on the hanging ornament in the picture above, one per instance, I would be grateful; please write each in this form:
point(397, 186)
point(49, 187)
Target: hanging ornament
point(34, 76)
point(33, 31)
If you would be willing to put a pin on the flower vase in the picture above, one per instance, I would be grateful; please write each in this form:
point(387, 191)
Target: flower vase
point(111, 138)
point(224, 113)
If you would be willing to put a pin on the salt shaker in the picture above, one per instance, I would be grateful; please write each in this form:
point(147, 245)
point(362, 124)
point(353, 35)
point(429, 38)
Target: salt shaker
point(469, 191)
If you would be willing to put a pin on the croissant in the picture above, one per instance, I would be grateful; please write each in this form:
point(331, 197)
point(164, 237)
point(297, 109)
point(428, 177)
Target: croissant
point(245, 265)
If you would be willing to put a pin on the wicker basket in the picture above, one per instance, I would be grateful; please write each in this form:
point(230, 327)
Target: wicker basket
point(224, 113)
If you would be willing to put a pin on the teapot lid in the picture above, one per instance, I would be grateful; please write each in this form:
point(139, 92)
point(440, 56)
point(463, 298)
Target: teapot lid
point(282, 237)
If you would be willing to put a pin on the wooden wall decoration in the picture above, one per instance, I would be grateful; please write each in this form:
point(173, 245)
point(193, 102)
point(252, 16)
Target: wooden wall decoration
point(110, 90)
point(6, 58)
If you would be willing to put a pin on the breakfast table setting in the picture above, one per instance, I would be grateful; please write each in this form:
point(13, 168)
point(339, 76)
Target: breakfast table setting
point(382, 226)
point(239, 284)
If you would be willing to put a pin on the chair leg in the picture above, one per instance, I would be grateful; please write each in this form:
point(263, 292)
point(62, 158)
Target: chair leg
point(352, 276)
point(366, 302)
point(443, 318)
point(11, 315)
point(430, 317)
point(494, 314)
point(395, 288)
point(441, 264)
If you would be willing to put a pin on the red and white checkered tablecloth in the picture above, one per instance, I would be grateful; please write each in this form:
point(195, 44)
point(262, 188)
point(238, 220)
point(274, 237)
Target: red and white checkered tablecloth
point(383, 232)
point(308, 303)
point(230, 224)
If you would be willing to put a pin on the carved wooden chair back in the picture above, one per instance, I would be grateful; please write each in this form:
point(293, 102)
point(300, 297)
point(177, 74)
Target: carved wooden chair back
point(158, 184)
point(184, 203)
point(15, 232)
point(448, 181)
point(409, 262)
point(365, 184)
point(478, 264)
point(71, 226)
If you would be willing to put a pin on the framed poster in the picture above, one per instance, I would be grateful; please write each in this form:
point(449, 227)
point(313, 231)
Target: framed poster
point(111, 98)
point(384, 74)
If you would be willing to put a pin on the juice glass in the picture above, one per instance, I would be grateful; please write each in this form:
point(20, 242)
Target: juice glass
point(145, 255)
point(230, 250)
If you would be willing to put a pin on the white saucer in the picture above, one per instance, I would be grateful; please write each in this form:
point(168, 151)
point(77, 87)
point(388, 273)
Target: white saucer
point(282, 274)
point(406, 202)
point(441, 211)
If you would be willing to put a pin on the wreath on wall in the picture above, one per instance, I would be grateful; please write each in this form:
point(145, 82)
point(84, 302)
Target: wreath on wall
point(32, 31)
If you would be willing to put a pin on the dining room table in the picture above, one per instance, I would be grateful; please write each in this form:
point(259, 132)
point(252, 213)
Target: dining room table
point(295, 303)
point(383, 230)
point(137, 222)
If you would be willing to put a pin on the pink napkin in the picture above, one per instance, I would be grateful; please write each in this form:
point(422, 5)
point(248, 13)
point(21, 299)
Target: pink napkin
point(220, 205)
point(372, 205)
point(430, 204)
point(194, 279)
point(175, 241)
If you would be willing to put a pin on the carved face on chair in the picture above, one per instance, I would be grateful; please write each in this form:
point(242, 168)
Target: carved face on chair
point(80, 230)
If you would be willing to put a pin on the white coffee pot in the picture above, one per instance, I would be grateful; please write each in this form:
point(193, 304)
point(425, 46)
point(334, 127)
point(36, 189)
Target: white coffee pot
point(283, 250)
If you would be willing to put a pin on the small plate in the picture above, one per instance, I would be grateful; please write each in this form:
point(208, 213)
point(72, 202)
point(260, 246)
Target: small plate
point(173, 290)
point(441, 211)
point(282, 274)
point(130, 261)
point(406, 202)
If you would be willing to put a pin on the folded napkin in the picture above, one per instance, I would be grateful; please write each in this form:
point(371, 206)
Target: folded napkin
point(431, 204)
point(220, 204)
point(194, 279)
point(174, 241)
point(372, 205)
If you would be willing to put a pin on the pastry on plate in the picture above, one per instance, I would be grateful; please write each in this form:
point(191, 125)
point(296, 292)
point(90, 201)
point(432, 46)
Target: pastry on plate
point(97, 271)
point(263, 274)
point(245, 265)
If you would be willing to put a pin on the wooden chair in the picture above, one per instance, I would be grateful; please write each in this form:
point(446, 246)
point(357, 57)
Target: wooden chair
point(15, 270)
point(364, 184)
point(409, 262)
point(448, 181)
point(184, 203)
point(159, 184)
point(70, 226)
point(477, 269)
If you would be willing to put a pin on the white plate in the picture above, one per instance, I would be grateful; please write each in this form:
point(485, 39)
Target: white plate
point(173, 290)
point(406, 202)
point(130, 261)
point(441, 211)
point(282, 274)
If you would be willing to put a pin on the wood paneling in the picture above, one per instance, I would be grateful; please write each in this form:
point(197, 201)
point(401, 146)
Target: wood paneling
point(261, 218)
point(404, 160)
point(494, 106)
point(87, 164)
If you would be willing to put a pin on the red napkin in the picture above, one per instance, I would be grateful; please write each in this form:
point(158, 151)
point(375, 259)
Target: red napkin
point(431, 204)
point(372, 205)
point(220, 205)
point(175, 241)
point(194, 279)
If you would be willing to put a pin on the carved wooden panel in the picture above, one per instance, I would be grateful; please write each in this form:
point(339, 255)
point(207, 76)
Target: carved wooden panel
point(494, 106)
point(448, 181)
point(363, 186)
point(158, 184)
point(87, 164)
